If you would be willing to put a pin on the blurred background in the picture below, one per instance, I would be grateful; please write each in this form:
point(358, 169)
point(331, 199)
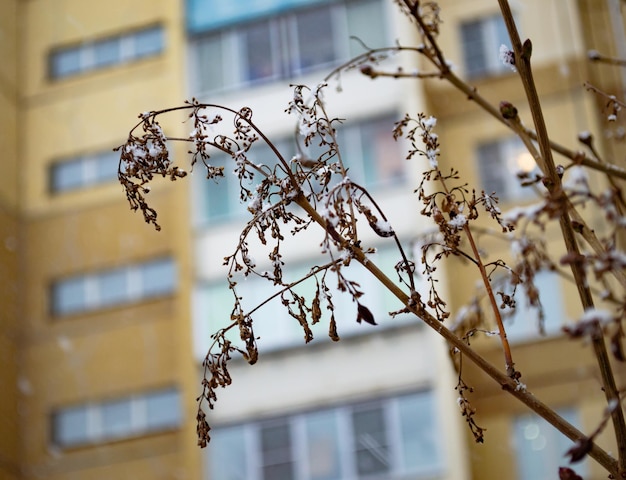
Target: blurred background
point(104, 322)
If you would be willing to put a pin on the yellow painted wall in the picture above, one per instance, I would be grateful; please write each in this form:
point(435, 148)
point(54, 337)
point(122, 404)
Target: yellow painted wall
point(121, 351)
point(9, 242)
point(560, 372)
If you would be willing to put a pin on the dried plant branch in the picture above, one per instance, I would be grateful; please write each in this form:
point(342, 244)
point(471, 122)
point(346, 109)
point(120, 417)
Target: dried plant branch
point(523, 54)
point(294, 194)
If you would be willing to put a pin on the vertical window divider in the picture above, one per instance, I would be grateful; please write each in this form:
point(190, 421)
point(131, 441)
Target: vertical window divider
point(394, 434)
point(299, 448)
point(127, 48)
point(135, 283)
point(87, 56)
point(234, 54)
point(276, 47)
point(291, 45)
point(339, 18)
point(253, 450)
point(347, 448)
point(94, 422)
point(90, 169)
point(92, 291)
point(138, 414)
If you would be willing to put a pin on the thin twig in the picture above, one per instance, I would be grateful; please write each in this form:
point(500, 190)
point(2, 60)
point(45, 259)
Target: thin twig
point(522, 63)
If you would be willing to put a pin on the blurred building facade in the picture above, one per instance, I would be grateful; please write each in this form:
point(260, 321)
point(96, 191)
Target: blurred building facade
point(105, 322)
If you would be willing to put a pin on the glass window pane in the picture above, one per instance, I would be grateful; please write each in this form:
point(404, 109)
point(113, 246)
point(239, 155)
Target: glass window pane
point(350, 146)
point(65, 62)
point(322, 443)
point(502, 34)
point(106, 52)
point(540, 447)
point(116, 419)
point(315, 39)
point(383, 162)
point(69, 296)
point(70, 426)
point(148, 42)
point(113, 287)
point(499, 164)
point(370, 441)
point(163, 410)
point(227, 454)
point(474, 48)
point(106, 166)
point(418, 433)
point(364, 23)
point(491, 168)
point(158, 278)
point(258, 52)
point(67, 175)
point(222, 198)
point(524, 323)
point(276, 455)
point(209, 65)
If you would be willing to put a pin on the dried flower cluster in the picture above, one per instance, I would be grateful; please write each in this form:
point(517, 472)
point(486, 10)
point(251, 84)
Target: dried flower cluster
point(289, 195)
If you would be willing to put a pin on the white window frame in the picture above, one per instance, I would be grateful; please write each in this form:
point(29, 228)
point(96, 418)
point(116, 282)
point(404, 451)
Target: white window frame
point(86, 53)
point(490, 42)
point(523, 324)
point(208, 317)
point(556, 441)
point(135, 290)
point(510, 149)
point(350, 143)
point(284, 32)
point(89, 171)
point(139, 421)
point(346, 454)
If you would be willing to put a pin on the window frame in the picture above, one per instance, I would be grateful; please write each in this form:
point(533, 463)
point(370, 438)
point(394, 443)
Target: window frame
point(555, 440)
point(249, 432)
point(509, 149)
point(287, 51)
point(91, 284)
point(139, 423)
point(86, 51)
point(214, 303)
point(352, 139)
point(491, 30)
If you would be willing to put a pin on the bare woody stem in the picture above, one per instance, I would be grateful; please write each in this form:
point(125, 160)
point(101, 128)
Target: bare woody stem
point(506, 348)
point(522, 62)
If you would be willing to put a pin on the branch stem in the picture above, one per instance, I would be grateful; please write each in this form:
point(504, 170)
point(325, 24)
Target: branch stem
point(507, 383)
point(522, 62)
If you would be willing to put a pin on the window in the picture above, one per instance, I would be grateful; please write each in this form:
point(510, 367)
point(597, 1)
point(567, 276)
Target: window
point(523, 324)
point(285, 45)
point(277, 458)
point(276, 328)
point(220, 198)
point(373, 157)
point(393, 437)
point(84, 171)
point(113, 287)
point(68, 61)
point(501, 166)
point(540, 448)
point(371, 449)
point(481, 40)
point(120, 418)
